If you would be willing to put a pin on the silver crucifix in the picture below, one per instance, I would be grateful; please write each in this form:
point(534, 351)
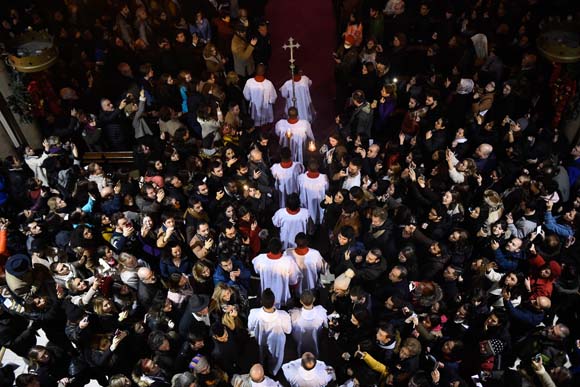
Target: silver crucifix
point(292, 45)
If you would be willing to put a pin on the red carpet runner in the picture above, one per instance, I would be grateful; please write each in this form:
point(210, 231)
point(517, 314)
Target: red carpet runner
point(311, 23)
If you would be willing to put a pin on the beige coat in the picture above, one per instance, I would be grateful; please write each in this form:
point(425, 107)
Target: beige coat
point(243, 59)
point(484, 103)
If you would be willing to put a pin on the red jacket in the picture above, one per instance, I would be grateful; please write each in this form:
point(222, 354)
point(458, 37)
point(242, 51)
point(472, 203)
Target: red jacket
point(3, 250)
point(543, 286)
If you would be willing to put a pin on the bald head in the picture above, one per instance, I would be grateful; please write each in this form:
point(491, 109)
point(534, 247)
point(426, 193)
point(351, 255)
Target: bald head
point(256, 155)
point(373, 150)
point(257, 373)
point(543, 303)
point(146, 275)
point(483, 151)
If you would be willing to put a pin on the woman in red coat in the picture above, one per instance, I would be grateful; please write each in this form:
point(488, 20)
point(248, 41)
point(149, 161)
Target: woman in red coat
point(543, 275)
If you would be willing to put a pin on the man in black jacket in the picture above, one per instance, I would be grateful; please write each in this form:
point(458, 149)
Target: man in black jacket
point(380, 231)
point(361, 121)
point(114, 124)
point(233, 352)
point(369, 272)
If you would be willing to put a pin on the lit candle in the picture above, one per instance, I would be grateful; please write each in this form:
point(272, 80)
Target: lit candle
point(288, 133)
point(312, 146)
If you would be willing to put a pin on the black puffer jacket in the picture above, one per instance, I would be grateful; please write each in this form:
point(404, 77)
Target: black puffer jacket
point(115, 127)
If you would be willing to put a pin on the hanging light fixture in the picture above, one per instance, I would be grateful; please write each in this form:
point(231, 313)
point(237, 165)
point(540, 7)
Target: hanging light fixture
point(559, 40)
point(32, 51)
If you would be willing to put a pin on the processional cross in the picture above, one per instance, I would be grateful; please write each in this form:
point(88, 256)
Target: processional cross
point(292, 44)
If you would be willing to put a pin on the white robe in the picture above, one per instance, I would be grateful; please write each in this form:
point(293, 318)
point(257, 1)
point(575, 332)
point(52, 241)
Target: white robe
point(306, 327)
point(286, 180)
point(312, 193)
point(262, 97)
point(300, 132)
point(246, 381)
point(290, 225)
point(298, 376)
point(278, 275)
point(311, 265)
point(303, 99)
point(270, 330)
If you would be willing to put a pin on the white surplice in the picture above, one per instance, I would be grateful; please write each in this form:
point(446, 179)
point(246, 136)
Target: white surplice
point(312, 193)
point(277, 274)
point(286, 179)
point(270, 330)
point(303, 99)
point(294, 136)
point(306, 327)
point(290, 225)
point(246, 381)
point(298, 376)
point(262, 97)
point(311, 265)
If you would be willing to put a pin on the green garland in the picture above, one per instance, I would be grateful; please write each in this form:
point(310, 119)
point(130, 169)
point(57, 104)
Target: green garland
point(19, 102)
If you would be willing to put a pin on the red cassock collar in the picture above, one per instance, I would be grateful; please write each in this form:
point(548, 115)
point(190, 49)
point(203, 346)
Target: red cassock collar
point(301, 250)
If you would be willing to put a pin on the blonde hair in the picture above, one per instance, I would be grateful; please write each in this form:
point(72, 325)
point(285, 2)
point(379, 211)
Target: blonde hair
point(98, 305)
point(216, 297)
point(198, 269)
point(231, 322)
point(118, 380)
point(123, 257)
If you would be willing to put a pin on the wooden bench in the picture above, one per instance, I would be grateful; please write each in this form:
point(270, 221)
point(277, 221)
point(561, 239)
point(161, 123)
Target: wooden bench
point(109, 158)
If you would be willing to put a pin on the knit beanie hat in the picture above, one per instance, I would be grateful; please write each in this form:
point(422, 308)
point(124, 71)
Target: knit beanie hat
point(523, 123)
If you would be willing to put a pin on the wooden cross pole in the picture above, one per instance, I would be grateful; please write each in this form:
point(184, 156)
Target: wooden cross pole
point(292, 44)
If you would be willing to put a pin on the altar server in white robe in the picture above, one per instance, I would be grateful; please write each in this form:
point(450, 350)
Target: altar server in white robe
point(308, 372)
point(291, 220)
point(277, 271)
point(303, 100)
point(261, 95)
point(309, 261)
point(286, 174)
point(307, 323)
point(270, 326)
point(293, 133)
point(313, 186)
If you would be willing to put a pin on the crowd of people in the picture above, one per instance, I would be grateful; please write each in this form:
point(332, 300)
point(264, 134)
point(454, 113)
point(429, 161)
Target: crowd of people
point(427, 240)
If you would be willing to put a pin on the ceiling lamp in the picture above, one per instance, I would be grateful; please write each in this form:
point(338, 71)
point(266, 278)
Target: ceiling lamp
point(32, 51)
point(560, 41)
